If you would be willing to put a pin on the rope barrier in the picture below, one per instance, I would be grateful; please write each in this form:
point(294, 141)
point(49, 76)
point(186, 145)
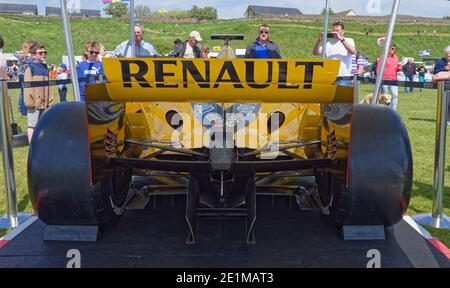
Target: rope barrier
point(369, 80)
point(363, 80)
point(31, 84)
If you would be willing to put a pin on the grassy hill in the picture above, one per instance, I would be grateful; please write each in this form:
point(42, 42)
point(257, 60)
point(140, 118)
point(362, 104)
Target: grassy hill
point(296, 38)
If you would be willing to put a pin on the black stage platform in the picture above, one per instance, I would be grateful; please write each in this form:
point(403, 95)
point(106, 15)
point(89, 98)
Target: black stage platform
point(285, 237)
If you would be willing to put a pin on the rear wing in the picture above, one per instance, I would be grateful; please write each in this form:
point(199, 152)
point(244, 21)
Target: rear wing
point(220, 80)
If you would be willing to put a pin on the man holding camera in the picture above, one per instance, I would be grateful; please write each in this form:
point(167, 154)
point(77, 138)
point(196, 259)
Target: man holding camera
point(339, 48)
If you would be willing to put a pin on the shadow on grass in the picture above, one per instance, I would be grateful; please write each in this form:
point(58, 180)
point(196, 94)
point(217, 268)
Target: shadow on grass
point(426, 191)
point(23, 203)
point(423, 119)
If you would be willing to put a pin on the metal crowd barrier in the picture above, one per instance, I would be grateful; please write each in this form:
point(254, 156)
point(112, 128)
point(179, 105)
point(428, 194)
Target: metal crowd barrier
point(356, 78)
point(31, 84)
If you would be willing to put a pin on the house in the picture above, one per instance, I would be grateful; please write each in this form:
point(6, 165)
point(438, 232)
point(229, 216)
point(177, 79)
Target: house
point(21, 9)
point(52, 11)
point(56, 11)
point(254, 11)
point(350, 12)
point(85, 13)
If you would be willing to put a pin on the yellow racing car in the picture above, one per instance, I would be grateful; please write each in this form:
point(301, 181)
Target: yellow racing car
point(222, 131)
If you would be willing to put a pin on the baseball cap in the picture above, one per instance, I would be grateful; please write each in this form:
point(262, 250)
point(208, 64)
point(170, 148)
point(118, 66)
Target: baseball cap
point(63, 66)
point(196, 35)
point(447, 50)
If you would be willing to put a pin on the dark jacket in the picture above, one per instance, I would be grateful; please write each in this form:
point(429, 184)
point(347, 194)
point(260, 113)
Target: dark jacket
point(37, 97)
point(179, 51)
point(440, 65)
point(272, 48)
point(409, 69)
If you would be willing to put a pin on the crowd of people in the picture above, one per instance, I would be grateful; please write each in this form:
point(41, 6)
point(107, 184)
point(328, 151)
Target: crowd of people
point(32, 65)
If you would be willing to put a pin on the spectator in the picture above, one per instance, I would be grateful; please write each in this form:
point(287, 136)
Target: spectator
point(9, 75)
point(205, 51)
point(190, 48)
point(444, 76)
point(25, 59)
point(3, 64)
point(444, 63)
point(62, 75)
point(373, 69)
point(441, 76)
point(339, 48)
point(37, 99)
point(390, 73)
point(441, 70)
point(358, 64)
point(409, 69)
point(102, 52)
point(141, 48)
point(422, 71)
point(177, 47)
point(263, 47)
point(89, 68)
point(53, 72)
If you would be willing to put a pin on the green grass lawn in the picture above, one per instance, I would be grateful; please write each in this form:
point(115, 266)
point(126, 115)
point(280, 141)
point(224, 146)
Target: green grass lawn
point(296, 40)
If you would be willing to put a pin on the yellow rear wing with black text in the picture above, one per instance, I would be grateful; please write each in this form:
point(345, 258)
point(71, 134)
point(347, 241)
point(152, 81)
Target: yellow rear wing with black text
point(220, 80)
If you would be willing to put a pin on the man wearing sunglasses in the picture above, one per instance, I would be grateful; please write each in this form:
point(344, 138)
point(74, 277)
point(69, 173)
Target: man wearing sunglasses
point(262, 47)
point(90, 68)
point(37, 99)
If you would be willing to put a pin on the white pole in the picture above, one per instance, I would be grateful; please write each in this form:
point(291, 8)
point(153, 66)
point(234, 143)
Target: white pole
point(8, 160)
point(70, 53)
point(439, 155)
point(132, 23)
point(326, 14)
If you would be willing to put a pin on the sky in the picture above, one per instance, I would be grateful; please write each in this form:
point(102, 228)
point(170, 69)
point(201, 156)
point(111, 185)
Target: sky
point(228, 9)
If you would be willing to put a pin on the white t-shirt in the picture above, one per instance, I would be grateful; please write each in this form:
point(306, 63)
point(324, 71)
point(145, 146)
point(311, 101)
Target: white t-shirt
point(189, 53)
point(336, 50)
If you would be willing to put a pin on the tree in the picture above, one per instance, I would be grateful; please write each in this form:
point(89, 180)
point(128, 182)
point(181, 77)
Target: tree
point(209, 13)
point(116, 9)
point(206, 13)
point(143, 11)
point(330, 13)
point(194, 12)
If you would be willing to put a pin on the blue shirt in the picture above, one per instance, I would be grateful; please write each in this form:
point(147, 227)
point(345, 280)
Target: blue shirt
point(440, 65)
point(261, 51)
point(86, 69)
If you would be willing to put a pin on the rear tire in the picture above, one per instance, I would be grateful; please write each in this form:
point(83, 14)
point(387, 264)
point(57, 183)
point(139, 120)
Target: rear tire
point(379, 171)
point(59, 173)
